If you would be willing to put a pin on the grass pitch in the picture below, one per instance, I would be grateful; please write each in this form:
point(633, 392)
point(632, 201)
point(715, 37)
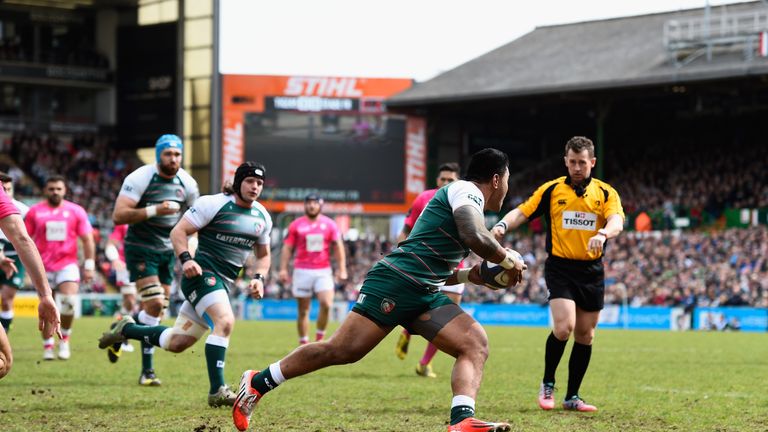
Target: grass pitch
point(640, 381)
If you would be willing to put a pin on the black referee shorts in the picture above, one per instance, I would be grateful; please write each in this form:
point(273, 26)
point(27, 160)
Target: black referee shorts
point(580, 281)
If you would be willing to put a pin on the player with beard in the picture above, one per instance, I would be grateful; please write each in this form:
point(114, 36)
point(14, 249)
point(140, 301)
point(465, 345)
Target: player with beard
point(55, 225)
point(150, 202)
point(230, 226)
point(313, 236)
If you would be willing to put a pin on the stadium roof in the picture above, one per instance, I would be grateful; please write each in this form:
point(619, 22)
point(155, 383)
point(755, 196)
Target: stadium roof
point(593, 55)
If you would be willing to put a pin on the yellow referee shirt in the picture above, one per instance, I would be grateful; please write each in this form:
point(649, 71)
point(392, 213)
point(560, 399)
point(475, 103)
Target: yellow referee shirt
point(572, 220)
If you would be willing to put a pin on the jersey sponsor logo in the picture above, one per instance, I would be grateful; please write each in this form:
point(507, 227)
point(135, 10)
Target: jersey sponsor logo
point(387, 305)
point(210, 281)
point(127, 188)
point(361, 298)
point(235, 240)
point(220, 364)
point(476, 199)
point(193, 296)
point(579, 220)
point(258, 226)
point(561, 202)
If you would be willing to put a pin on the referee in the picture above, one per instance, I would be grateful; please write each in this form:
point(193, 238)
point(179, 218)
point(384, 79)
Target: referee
point(582, 213)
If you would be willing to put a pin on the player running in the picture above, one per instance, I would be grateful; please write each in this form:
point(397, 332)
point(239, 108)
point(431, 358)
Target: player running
point(403, 288)
point(230, 225)
point(312, 236)
point(150, 202)
point(115, 253)
point(55, 225)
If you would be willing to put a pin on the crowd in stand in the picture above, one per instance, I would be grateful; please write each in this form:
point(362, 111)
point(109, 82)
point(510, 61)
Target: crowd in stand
point(672, 268)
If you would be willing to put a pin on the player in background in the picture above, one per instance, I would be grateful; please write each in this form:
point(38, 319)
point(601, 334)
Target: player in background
point(10, 283)
point(56, 225)
point(582, 213)
point(312, 237)
point(150, 202)
point(447, 173)
point(230, 226)
point(115, 253)
point(13, 227)
point(403, 288)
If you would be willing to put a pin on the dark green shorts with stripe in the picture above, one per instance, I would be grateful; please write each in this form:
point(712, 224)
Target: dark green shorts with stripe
point(17, 279)
point(144, 262)
point(198, 287)
point(389, 300)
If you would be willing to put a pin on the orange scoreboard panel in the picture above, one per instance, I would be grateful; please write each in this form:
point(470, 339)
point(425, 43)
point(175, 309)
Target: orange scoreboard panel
point(326, 135)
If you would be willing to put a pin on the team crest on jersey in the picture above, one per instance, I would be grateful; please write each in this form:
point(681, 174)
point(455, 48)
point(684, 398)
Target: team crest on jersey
point(258, 226)
point(387, 305)
point(210, 281)
point(179, 193)
point(141, 266)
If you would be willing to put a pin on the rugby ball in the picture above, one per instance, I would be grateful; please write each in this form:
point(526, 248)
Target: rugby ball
point(495, 276)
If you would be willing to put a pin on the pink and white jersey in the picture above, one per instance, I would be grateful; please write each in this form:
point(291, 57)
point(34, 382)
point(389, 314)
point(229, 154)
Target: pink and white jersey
point(6, 205)
point(55, 232)
point(118, 236)
point(418, 206)
point(312, 241)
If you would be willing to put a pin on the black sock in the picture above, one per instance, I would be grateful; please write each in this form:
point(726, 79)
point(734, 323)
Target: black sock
point(6, 322)
point(263, 381)
point(552, 355)
point(577, 367)
point(460, 412)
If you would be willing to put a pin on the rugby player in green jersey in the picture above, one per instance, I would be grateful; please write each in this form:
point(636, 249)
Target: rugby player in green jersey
point(230, 225)
point(150, 201)
point(404, 289)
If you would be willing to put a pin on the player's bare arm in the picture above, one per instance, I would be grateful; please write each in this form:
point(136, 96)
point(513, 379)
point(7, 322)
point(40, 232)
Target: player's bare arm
point(48, 314)
point(89, 250)
point(341, 257)
point(473, 233)
point(261, 267)
point(510, 221)
point(179, 238)
point(127, 213)
point(285, 256)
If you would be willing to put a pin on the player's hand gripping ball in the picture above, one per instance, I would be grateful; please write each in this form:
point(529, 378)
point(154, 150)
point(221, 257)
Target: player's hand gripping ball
point(497, 277)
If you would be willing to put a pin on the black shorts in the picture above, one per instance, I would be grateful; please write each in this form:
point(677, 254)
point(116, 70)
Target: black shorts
point(580, 281)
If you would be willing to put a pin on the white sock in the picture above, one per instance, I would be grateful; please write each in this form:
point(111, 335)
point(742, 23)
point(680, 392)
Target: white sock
point(147, 319)
point(165, 338)
point(6, 314)
point(277, 374)
point(217, 340)
point(461, 400)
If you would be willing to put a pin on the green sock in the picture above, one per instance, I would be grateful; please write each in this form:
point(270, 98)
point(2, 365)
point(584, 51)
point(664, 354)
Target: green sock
point(214, 359)
point(6, 322)
point(460, 412)
point(263, 381)
point(144, 333)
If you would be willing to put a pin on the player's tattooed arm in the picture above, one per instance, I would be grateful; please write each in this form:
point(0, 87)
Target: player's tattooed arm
point(476, 236)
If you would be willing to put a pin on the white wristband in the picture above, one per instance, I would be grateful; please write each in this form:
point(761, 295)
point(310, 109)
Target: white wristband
point(502, 224)
point(89, 264)
point(151, 211)
point(509, 261)
point(111, 252)
point(462, 275)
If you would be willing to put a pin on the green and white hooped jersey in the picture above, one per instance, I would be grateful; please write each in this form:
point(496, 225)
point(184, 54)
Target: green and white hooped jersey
point(433, 249)
point(147, 187)
point(227, 233)
point(5, 245)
